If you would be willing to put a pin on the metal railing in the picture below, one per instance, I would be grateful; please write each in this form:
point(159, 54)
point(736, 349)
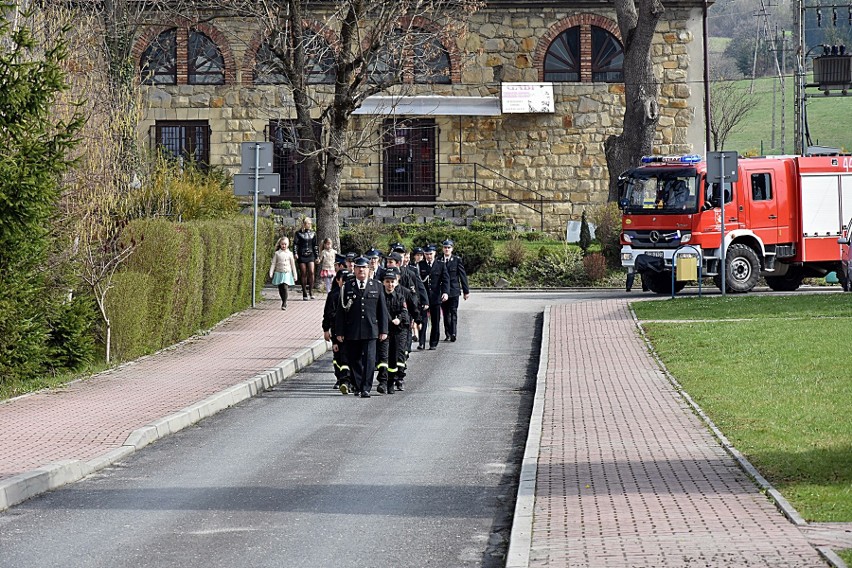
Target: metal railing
point(472, 182)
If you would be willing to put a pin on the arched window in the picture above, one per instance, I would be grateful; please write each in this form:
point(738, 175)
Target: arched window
point(562, 62)
point(431, 61)
point(565, 60)
point(607, 57)
point(205, 63)
point(417, 55)
point(158, 63)
point(320, 66)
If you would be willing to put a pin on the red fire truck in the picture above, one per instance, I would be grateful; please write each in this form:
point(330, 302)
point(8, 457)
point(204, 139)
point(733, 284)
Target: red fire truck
point(786, 218)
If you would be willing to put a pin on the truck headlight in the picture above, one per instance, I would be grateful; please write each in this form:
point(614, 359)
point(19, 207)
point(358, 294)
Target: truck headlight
point(686, 238)
point(627, 256)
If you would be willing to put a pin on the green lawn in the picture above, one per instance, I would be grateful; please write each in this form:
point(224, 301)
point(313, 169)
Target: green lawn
point(773, 374)
point(757, 127)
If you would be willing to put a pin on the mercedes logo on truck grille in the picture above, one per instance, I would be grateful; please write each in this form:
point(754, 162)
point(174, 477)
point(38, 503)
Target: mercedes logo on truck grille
point(654, 236)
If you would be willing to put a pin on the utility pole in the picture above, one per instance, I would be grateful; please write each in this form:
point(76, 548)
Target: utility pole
point(800, 75)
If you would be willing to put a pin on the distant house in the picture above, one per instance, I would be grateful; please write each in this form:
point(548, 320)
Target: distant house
point(515, 111)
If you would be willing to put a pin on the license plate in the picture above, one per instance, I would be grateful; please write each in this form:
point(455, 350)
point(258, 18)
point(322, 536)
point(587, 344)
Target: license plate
point(657, 253)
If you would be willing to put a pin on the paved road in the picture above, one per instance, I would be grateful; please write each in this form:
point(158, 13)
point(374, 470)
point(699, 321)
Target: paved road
point(303, 476)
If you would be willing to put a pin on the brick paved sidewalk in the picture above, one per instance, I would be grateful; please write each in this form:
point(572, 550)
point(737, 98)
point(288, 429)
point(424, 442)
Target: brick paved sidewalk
point(627, 475)
point(90, 418)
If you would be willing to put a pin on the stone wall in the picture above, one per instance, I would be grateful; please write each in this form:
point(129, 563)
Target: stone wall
point(555, 160)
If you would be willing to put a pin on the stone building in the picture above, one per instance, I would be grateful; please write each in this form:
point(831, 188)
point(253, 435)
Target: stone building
point(452, 137)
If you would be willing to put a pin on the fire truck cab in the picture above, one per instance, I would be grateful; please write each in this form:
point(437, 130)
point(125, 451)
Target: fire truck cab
point(783, 218)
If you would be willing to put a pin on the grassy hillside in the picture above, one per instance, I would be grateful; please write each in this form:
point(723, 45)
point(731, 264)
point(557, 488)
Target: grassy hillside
point(828, 119)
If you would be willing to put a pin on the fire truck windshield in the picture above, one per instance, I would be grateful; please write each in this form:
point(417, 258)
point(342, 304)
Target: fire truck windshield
point(659, 191)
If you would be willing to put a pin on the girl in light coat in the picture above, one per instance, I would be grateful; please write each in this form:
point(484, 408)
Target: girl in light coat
point(326, 263)
point(283, 269)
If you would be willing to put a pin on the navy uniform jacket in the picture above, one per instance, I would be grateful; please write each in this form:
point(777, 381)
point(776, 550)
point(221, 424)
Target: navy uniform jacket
point(332, 303)
point(397, 305)
point(361, 315)
point(417, 288)
point(436, 280)
point(455, 269)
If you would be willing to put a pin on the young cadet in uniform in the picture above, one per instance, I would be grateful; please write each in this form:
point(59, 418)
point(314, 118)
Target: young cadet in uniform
point(392, 350)
point(359, 322)
point(408, 283)
point(375, 258)
point(450, 307)
point(437, 281)
point(423, 291)
point(332, 304)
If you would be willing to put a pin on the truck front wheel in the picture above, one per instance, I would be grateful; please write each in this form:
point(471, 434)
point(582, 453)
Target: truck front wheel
point(742, 269)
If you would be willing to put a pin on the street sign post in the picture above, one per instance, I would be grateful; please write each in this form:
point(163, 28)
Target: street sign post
point(267, 184)
point(722, 167)
point(256, 168)
point(264, 158)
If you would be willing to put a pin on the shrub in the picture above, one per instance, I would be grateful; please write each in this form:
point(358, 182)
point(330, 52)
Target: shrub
point(594, 265)
point(72, 339)
point(362, 237)
point(515, 253)
point(474, 249)
point(133, 333)
point(561, 267)
point(182, 278)
point(497, 230)
point(607, 220)
point(183, 192)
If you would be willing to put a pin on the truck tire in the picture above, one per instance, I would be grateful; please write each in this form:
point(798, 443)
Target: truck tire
point(742, 269)
point(661, 283)
point(787, 283)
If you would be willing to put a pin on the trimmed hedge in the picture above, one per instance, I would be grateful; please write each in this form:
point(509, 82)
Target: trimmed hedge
point(183, 277)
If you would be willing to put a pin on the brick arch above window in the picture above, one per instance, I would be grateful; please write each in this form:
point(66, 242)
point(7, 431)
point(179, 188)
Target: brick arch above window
point(257, 42)
point(182, 29)
point(447, 43)
point(250, 59)
point(584, 22)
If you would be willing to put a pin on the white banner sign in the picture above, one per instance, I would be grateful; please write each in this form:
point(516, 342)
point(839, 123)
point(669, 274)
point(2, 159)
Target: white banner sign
point(527, 98)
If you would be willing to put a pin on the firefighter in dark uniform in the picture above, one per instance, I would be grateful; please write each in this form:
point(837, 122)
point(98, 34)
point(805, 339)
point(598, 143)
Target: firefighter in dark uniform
point(332, 303)
point(450, 308)
point(410, 284)
point(392, 350)
point(361, 321)
point(437, 281)
point(416, 258)
point(410, 278)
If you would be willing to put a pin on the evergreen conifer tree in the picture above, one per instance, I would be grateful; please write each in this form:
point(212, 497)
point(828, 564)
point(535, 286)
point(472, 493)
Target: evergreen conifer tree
point(33, 155)
point(585, 234)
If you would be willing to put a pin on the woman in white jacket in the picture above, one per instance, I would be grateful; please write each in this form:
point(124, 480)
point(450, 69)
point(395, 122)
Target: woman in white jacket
point(282, 269)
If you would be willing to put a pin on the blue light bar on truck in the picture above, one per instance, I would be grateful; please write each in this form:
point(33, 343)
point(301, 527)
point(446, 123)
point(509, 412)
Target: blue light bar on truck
point(687, 159)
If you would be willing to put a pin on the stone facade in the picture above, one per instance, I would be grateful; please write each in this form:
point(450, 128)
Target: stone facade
point(553, 163)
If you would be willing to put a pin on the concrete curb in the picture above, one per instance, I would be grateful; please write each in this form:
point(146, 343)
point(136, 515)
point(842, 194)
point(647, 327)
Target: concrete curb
point(21, 487)
point(773, 494)
point(520, 540)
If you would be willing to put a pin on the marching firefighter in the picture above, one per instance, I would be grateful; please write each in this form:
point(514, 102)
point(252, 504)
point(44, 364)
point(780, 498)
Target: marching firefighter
point(359, 322)
point(332, 303)
point(392, 351)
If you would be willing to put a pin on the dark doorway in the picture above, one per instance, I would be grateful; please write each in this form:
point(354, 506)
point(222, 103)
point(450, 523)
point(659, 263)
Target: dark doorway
point(409, 165)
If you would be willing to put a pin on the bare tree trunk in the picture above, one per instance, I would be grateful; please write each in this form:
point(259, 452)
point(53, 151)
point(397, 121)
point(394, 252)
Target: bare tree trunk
point(637, 22)
point(328, 209)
